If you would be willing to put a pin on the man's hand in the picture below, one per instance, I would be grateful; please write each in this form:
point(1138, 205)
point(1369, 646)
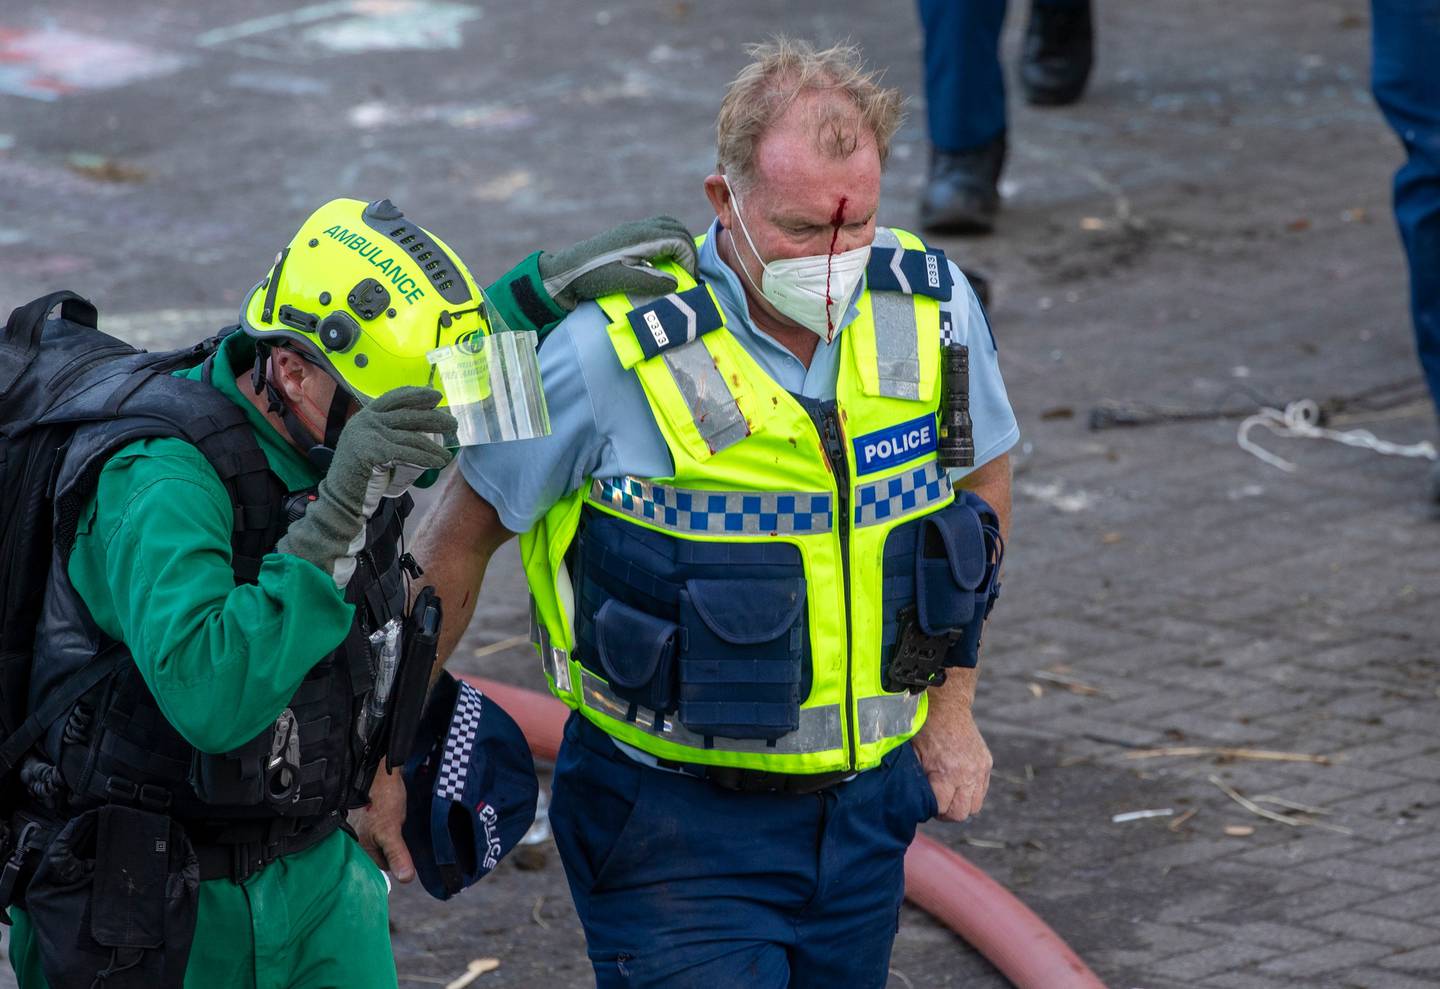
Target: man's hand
point(378, 825)
point(954, 756)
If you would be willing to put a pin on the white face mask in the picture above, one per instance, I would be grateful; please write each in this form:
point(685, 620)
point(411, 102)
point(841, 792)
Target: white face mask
point(800, 287)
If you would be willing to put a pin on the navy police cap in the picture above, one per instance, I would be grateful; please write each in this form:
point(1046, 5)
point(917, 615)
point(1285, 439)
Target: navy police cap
point(470, 788)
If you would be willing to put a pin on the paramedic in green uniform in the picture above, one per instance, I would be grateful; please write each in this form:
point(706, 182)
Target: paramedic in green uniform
point(328, 369)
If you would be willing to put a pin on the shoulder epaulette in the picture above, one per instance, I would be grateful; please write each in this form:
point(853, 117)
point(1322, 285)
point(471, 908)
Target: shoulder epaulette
point(675, 320)
point(895, 269)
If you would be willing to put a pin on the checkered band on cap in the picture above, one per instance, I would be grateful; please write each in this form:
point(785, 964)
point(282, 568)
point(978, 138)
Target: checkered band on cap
point(893, 497)
point(717, 512)
point(460, 743)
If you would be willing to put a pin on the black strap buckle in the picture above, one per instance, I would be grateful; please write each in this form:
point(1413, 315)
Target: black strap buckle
point(918, 660)
point(246, 859)
point(147, 795)
point(14, 865)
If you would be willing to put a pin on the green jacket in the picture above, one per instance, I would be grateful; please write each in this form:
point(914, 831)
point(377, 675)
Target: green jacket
point(152, 563)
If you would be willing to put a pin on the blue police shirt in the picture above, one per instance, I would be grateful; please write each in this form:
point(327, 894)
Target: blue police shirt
point(601, 423)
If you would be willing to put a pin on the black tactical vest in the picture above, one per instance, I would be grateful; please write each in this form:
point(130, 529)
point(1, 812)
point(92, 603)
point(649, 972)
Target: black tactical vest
point(115, 744)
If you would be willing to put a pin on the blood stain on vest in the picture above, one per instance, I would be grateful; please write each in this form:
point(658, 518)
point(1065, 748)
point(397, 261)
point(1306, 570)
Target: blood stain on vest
point(836, 221)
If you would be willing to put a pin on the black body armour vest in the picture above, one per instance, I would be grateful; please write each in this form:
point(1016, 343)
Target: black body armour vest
point(115, 745)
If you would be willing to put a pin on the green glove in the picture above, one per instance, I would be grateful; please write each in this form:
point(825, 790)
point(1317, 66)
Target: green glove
point(382, 450)
point(618, 260)
point(544, 288)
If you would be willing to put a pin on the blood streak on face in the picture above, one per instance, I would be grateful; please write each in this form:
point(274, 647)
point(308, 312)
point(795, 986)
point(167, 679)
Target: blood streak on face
point(837, 221)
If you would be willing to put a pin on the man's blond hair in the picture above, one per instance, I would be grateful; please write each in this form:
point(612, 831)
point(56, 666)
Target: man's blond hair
point(780, 71)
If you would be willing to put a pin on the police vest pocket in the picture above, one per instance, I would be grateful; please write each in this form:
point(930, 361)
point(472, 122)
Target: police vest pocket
point(742, 655)
point(637, 655)
point(950, 565)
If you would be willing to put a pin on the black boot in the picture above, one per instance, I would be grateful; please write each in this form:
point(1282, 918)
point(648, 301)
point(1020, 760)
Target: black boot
point(1059, 50)
point(963, 193)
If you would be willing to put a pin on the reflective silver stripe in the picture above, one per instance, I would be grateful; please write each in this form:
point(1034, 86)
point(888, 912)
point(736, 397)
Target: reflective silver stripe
point(885, 716)
point(717, 512)
point(712, 406)
point(688, 313)
point(896, 337)
point(819, 729)
point(885, 237)
point(901, 495)
point(556, 662)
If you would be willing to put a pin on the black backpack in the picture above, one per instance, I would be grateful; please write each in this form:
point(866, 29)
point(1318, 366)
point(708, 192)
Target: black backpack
point(70, 396)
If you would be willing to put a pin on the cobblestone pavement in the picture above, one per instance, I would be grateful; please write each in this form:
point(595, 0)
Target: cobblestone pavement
point(1208, 228)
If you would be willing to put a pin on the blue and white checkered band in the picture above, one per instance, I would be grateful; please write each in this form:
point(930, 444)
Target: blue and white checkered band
point(892, 268)
point(898, 496)
point(460, 743)
point(675, 320)
point(717, 512)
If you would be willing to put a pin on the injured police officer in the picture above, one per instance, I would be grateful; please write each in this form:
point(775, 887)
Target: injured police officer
point(761, 543)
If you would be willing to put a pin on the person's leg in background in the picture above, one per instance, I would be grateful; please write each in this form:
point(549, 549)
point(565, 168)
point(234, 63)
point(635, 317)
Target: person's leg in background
point(1406, 79)
point(965, 109)
point(965, 97)
point(1059, 51)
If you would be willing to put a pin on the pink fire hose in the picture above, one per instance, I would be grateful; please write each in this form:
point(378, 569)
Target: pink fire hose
point(937, 880)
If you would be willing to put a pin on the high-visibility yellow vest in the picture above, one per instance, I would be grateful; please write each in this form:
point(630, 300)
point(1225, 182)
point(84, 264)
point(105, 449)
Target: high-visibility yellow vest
point(675, 613)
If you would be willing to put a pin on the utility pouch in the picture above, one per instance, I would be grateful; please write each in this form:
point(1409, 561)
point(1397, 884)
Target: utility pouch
point(950, 563)
point(132, 859)
point(637, 654)
point(114, 901)
point(265, 771)
point(741, 656)
point(235, 778)
point(957, 556)
point(421, 643)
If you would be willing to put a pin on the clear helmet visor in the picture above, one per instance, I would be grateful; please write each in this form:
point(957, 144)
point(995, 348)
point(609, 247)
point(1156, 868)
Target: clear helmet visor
point(491, 384)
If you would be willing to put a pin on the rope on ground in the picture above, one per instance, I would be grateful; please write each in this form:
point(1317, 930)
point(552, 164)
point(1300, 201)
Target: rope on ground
point(1396, 398)
point(1301, 419)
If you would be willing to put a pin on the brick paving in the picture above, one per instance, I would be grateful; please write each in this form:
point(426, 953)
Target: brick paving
point(1211, 223)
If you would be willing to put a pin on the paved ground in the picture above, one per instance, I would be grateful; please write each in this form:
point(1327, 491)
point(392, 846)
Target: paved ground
point(1210, 225)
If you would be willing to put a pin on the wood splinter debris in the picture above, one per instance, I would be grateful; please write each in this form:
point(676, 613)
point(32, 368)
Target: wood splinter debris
point(1291, 805)
point(1258, 755)
point(1069, 683)
point(984, 843)
point(1179, 822)
point(1140, 815)
point(1270, 815)
point(476, 969)
point(502, 645)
